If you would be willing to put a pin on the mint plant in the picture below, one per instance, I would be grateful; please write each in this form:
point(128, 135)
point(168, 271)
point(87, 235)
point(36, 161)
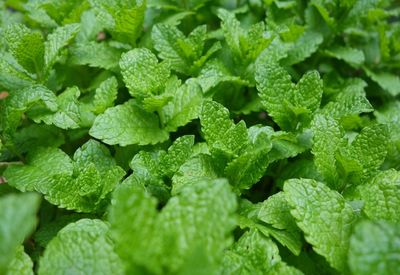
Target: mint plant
point(199, 137)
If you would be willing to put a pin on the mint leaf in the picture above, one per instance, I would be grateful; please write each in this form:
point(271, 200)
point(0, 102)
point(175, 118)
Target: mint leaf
point(128, 124)
point(352, 56)
point(255, 254)
point(304, 47)
point(82, 184)
point(105, 95)
point(26, 46)
point(276, 212)
point(373, 248)
point(219, 131)
point(328, 138)
point(184, 107)
point(285, 102)
point(370, 148)
point(83, 247)
point(20, 264)
point(67, 115)
point(18, 220)
point(56, 41)
point(95, 54)
point(389, 82)
point(324, 217)
point(203, 233)
point(123, 18)
point(381, 196)
point(142, 73)
point(41, 165)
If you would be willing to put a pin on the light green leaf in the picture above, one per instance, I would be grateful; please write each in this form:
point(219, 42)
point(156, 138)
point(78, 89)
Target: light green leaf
point(253, 254)
point(41, 165)
point(99, 55)
point(304, 47)
point(219, 130)
point(328, 138)
point(324, 217)
point(142, 73)
point(26, 46)
point(370, 148)
point(349, 102)
point(128, 124)
point(167, 39)
point(17, 221)
point(374, 248)
point(200, 167)
point(176, 155)
point(276, 212)
point(389, 82)
point(56, 41)
point(67, 115)
point(21, 264)
point(83, 247)
point(381, 196)
point(309, 91)
point(13, 76)
point(275, 90)
point(82, 185)
point(105, 95)
point(123, 18)
point(352, 56)
point(249, 167)
point(184, 106)
point(171, 238)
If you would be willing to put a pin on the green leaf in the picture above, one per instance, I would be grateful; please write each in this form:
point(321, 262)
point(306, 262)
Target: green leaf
point(275, 87)
point(82, 185)
point(15, 105)
point(389, 82)
point(13, 76)
point(176, 155)
point(17, 221)
point(179, 51)
point(56, 41)
point(67, 115)
point(374, 249)
point(123, 18)
point(93, 54)
point(142, 73)
point(284, 101)
point(304, 47)
point(254, 254)
point(328, 138)
point(42, 164)
point(381, 196)
point(83, 247)
point(166, 241)
point(200, 167)
point(245, 44)
point(128, 124)
point(349, 102)
point(248, 168)
point(220, 131)
point(105, 95)
point(324, 217)
point(26, 46)
point(309, 91)
point(275, 211)
point(352, 56)
point(370, 148)
point(184, 106)
point(21, 264)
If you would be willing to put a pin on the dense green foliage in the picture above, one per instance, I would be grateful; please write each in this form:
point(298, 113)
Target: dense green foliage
point(199, 137)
